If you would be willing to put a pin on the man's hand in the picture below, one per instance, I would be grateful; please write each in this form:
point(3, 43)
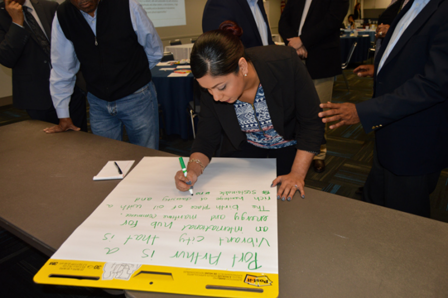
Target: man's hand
point(295, 42)
point(364, 70)
point(15, 11)
point(381, 30)
point(345, 113)
point(302, 52)
point(64, 125)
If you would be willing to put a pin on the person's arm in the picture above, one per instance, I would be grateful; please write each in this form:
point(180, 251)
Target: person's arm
point(309, 131)
point(62, 77)
point(13, 40)
point(381, 30)
point(216, 12)
point(366, 70)
point(195, 167)
point(295, 180)
point(288, 20)
point(207, 139)
point(329, 22)
point(417, 94)
point(146, 33)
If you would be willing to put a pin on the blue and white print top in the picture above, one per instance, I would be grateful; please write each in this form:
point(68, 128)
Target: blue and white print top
point(256, 123)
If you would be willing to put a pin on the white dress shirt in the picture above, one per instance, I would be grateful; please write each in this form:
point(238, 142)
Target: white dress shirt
point(402, 25)
point(258, 16)
point(306, 8)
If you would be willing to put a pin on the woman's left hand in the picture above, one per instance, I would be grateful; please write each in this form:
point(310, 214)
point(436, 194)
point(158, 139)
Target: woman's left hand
point(289, 184)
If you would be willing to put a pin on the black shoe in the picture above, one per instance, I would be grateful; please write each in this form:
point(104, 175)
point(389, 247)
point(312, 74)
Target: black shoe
point(319, 165)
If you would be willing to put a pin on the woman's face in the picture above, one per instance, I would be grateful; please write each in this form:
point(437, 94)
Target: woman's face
point(350, 19)
point(227, 88)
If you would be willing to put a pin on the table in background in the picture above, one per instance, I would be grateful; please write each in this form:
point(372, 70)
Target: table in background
point(361, 51)
point(174, 94)
point(369, 32)
point(329, 246)
point(181, 51)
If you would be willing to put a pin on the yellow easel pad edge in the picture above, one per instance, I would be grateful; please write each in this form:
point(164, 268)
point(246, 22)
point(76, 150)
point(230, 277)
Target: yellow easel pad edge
point(201, 282)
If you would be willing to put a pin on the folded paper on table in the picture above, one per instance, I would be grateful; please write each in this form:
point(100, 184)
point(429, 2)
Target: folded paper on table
point(176, 74)
point(110, 170)
point(148, 236)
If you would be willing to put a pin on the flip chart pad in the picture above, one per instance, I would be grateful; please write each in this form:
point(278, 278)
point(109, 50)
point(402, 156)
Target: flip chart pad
point(228, 225)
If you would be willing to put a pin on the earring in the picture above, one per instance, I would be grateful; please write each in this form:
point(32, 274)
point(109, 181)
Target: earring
point(245, 74)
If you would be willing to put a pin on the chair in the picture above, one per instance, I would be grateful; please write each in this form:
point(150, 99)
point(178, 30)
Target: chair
point(345, 64)
point(167, 56)
point(175, 42)
point(193, 40)
point(194, 107)
point(372, 50)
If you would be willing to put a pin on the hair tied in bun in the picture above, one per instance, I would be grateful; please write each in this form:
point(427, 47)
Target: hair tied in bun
point(231, 27)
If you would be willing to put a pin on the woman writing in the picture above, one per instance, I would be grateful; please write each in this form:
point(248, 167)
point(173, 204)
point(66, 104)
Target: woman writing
point(264, 102)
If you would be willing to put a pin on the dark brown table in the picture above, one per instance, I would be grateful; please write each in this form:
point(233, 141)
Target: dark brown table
point(329, 246)
point(47, 187)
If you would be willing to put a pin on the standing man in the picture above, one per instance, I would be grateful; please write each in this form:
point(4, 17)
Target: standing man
point(115, 45)
point(25, 33)
point(408, 111)
point(248, 14)
point(312, 28)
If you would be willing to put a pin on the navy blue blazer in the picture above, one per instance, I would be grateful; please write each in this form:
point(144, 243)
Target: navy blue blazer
point(409, 108)
point(238, 11)
point(320, 33)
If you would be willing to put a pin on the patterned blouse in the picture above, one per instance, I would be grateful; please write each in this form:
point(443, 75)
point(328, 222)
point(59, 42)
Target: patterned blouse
point(255, 121)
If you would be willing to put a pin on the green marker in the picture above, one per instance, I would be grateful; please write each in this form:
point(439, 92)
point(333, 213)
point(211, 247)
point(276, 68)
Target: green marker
point(184, 169)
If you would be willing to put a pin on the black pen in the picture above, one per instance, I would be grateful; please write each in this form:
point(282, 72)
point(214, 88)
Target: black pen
point(118, 168)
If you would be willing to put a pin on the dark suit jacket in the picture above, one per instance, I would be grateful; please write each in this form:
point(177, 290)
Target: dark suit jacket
point(291, 98)
point(218, 11)
point(320, 33)
point(409, 108)
point(30, 65)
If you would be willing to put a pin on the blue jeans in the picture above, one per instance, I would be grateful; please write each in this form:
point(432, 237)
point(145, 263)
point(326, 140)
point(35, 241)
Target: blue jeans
point(138, 112)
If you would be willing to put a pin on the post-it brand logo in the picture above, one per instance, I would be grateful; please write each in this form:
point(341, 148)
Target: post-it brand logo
point(258, 281)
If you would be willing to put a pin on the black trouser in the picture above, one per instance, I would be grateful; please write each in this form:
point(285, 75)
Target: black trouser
point(405, 193)
point(284, 156)
point(77, 109)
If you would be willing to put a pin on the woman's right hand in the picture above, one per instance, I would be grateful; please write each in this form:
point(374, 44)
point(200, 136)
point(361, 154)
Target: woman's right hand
point(184, 183)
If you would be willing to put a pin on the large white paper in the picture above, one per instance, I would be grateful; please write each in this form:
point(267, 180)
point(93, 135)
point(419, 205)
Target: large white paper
point(229, 224)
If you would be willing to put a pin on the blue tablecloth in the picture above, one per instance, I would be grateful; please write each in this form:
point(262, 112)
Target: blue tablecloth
point(174, 94)
point(361, 51)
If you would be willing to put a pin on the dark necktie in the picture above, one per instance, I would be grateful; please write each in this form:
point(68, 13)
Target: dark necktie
point(37, 33)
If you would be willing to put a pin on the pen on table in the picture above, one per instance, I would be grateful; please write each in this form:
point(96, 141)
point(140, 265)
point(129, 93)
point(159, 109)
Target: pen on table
point(184, 169)
point(118, 168)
